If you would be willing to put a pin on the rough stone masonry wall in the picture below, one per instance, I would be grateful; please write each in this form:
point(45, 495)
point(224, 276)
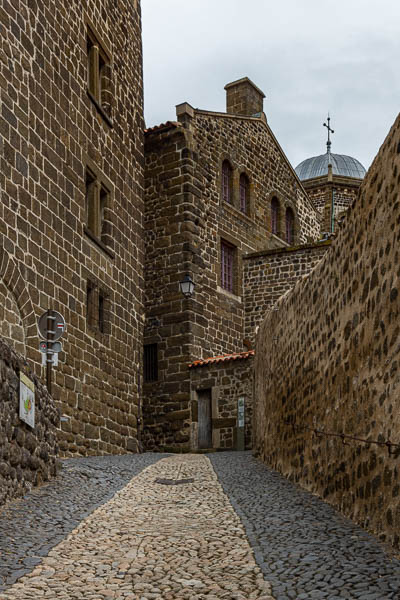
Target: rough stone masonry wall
point(329, 360)
point(251, 148)
point(268, 275)
point(185, 220)
point(171, 221)
point(27, 456)
point(50, 131)
point(228, 380)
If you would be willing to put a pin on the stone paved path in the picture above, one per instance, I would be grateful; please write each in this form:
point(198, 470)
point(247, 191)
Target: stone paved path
point(105, 529)
point(305, 548)
point(153, 541)
point(31, 526)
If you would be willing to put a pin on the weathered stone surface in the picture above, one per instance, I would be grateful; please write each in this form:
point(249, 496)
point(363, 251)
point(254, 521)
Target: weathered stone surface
point(154, 541)
point(327, 360)
point(28, 457)
point(186, 221)
point(50, 131)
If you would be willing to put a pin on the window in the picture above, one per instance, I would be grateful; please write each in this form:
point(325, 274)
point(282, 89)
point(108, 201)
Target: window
point(275, 216)
point(227, 266)
point(227, 182)
point(97, 201)
point(289, 226)
point(101, 315)
point(150, 363)
point(99, 75)
point(97, 308)
point(244, 187)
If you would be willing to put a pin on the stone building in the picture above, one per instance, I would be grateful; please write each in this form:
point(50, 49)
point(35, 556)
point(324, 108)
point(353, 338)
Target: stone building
point(71, 236)
point(218, 187)
point(332, 182)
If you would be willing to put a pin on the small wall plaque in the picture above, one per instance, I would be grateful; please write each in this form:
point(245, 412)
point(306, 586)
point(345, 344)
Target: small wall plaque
point(26, 400)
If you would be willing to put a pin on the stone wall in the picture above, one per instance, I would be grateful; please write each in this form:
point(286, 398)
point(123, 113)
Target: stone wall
point(67, 242)
point(268, 275)
point(228, 380)
point(186, 221)
point(327, 362)
point(27, 456)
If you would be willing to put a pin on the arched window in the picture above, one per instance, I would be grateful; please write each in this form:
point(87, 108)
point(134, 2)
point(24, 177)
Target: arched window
point(244, 187)
point(275, 216)
point(227, 182)
point(289, 226)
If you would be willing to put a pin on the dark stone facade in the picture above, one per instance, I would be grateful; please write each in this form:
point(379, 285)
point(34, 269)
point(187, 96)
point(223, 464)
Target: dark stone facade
point(187, 221)
point(71, 170)
point(28, 456)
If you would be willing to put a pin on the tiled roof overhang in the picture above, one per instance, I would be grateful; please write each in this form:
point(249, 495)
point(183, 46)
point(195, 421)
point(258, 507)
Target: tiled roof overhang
point(221, 359)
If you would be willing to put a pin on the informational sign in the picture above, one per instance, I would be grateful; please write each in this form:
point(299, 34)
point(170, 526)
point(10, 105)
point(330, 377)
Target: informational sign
point(241, 411)
point(58, 327)
point(26, 400)
point(240, 441)
point(52, 357)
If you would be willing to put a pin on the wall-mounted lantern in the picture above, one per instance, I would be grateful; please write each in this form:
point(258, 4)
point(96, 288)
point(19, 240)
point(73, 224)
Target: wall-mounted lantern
point(186, 286)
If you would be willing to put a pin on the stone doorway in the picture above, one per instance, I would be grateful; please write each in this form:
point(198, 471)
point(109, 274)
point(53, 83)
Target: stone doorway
point(204, 419)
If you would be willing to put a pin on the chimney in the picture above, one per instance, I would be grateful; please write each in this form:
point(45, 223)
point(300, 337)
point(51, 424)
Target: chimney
point(244, 98)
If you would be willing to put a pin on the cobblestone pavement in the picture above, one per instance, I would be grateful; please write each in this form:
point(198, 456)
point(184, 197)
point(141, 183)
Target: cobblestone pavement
point(31, 526)
point(106, 530)
point(153, 540)
point(305, 549)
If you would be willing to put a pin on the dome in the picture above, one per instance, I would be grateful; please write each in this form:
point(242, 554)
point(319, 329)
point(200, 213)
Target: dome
point(317, 166)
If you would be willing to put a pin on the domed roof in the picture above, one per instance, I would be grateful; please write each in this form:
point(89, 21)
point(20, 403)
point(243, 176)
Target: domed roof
point(317, 166)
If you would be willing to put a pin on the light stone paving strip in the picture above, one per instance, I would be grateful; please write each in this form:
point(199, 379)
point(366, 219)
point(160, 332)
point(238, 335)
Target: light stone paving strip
point(153, 541)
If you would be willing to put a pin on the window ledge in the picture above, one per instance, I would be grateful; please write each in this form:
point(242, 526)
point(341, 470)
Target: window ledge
point(100, 109)
point(236, 211)
point(229, 295)
point(98, 242)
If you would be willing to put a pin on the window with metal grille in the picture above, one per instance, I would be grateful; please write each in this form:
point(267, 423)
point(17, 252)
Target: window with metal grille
point(244, 186)
point(275, 216)
point(150, 363)
point(227, 182)
point(289, 226)
point(227, 266)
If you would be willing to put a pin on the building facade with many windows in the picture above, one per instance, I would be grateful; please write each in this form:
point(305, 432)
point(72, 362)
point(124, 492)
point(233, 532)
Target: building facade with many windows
point(217, 187)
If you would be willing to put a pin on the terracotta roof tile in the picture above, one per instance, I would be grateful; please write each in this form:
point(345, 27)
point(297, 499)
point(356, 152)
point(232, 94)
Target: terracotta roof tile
point(222, 358)
point(162, 127)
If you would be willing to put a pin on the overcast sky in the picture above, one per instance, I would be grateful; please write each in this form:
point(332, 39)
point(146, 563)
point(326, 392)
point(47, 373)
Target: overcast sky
point(308, 57)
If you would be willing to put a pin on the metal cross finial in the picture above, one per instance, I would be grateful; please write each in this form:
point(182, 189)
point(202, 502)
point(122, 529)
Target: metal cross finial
point(329, 143)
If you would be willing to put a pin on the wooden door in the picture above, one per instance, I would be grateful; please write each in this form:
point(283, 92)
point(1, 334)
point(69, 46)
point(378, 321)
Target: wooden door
point(204, 415)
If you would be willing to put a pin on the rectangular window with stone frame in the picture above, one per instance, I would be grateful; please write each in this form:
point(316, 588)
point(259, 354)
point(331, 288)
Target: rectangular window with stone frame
point(98, 210)
point(228, 255)
point(99, 72)
point(98, 308)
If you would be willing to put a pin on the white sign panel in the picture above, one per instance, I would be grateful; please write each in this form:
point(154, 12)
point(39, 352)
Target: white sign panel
point(26, 400)
point(241, 411)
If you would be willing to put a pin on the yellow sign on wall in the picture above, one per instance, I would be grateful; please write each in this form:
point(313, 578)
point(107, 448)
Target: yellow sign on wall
point(26, 400)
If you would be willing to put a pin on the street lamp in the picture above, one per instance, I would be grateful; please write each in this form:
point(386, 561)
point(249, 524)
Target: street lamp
point(186, 286)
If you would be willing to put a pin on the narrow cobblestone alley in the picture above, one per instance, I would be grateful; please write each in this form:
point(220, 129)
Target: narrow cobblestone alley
point(123, 527)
